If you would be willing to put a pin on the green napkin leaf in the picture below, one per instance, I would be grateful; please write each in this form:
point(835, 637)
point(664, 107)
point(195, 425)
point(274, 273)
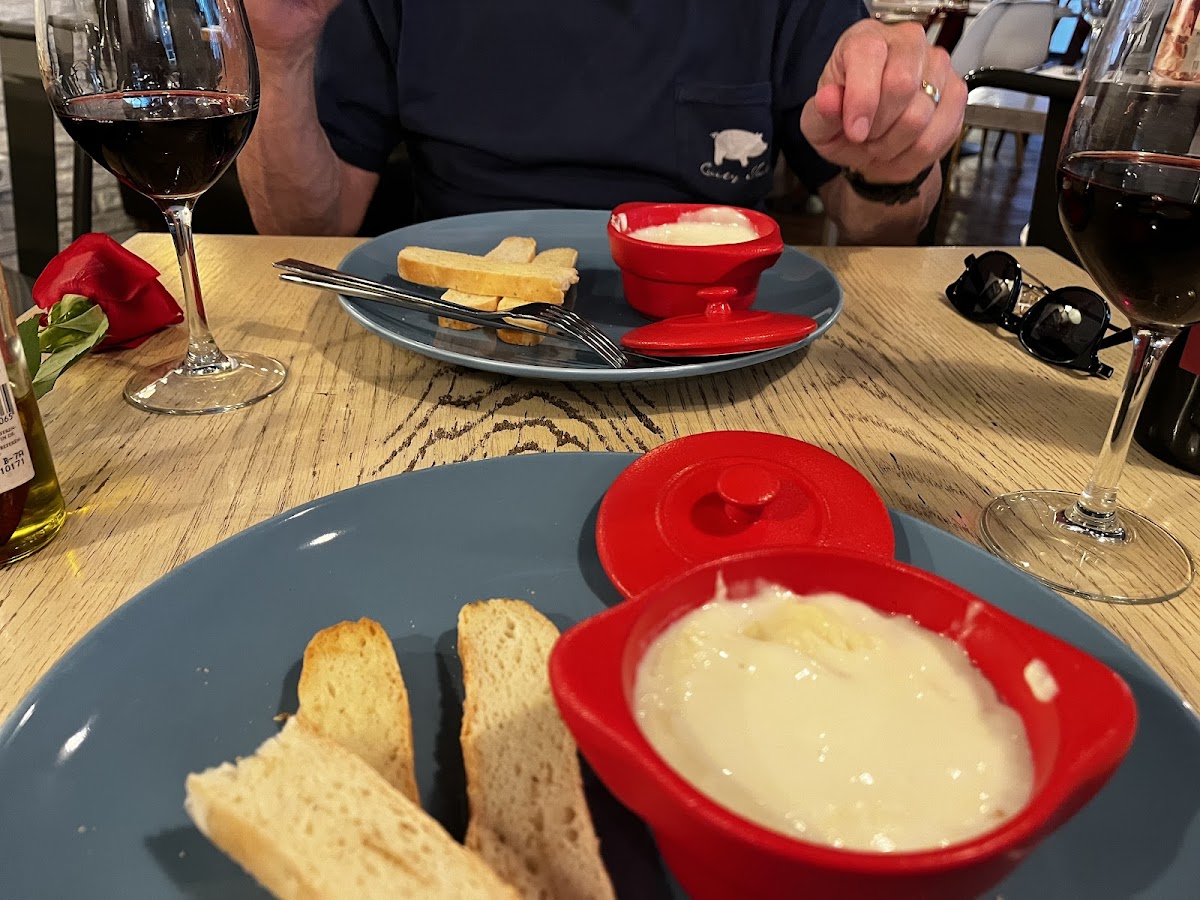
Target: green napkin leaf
point(28, 330)
point(74, 325)
point(71, 320)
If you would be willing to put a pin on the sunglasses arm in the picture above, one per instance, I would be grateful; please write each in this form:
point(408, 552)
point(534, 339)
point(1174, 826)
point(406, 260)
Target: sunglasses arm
point(1123, 335)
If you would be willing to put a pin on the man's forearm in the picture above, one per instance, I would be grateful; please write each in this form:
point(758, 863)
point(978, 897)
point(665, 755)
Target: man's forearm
point(862, 221)
point(290, 174)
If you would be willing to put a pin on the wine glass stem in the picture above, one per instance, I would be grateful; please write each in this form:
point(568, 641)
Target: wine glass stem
point(1096, 509)
point(203, 354)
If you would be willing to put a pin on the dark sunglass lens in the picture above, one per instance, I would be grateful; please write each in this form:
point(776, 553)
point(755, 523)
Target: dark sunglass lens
point(1065, 326)
point(985, 289)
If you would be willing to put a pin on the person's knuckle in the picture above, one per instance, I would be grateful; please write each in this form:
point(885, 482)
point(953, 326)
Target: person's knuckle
point(915, 119)
point(869, 46)
point(901, 81)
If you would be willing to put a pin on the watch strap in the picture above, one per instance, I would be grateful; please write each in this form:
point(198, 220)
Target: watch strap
point(888, 194)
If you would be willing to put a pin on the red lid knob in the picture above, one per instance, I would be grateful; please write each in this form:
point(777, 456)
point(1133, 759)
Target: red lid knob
point(746, 489)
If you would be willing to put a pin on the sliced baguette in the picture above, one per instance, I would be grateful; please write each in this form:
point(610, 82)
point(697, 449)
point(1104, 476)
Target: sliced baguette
point(511, 249)
point(480, 275)
point(309, 819)
point(529, 819)
point(558, 256)
point(351, 691)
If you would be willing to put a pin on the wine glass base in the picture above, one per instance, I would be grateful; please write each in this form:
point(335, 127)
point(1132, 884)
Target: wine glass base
point(1147, 566)
point(172, 390)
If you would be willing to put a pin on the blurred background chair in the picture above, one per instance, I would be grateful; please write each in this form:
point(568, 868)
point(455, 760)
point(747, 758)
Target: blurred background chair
point(1013, 35)
point(1008, 34)
point(1055, 95)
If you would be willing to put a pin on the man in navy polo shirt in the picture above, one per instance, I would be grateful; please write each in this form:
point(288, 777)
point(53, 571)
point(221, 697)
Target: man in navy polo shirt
point(590, 103)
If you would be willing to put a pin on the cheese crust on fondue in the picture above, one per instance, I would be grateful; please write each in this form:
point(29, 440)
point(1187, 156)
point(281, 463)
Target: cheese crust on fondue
point(822, 718)
point(701, 228)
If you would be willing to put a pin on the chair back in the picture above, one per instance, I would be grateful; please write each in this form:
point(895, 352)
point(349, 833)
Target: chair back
point(1007, 34)
point(1045, 229)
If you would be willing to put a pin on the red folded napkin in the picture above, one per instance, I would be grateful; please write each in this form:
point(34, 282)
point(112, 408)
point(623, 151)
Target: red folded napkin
point(121, 283)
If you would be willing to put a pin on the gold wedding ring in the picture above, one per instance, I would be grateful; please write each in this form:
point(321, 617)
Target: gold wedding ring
point(933, 92)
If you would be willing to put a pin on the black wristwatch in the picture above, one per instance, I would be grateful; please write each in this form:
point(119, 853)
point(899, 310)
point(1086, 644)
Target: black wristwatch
point(887, 194)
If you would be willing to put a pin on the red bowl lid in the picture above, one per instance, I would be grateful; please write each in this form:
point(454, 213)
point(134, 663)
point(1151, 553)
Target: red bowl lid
point(719, 330)
point(721, 492)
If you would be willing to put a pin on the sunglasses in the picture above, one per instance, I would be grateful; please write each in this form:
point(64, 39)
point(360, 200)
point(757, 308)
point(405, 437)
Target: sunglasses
point(1067, 327)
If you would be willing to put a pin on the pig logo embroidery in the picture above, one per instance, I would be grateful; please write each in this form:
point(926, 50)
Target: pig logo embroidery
point(734, 143)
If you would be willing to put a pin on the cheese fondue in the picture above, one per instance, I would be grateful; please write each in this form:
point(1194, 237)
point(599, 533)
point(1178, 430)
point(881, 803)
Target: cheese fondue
point(701, 228)
point(822, 718)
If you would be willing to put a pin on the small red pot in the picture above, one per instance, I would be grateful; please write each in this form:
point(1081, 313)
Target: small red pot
point(664, 280)
point(1077, 738)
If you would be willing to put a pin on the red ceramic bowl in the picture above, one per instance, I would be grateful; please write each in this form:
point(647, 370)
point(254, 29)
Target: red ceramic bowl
point(1077, 738)
point(664, 280)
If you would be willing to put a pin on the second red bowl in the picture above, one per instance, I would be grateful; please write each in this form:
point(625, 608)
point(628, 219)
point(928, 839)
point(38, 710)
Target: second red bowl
point(664, 280)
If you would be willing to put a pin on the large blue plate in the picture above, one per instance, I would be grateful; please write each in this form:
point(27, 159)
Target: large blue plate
point(795, 284)
point(192, 670)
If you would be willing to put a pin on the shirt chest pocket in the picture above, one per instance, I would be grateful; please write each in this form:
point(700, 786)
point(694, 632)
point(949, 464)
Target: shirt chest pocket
point(723, 135)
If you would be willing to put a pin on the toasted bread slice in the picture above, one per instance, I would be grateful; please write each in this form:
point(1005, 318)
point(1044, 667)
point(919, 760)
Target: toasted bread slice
point(558, 256)
point(529, 819)
point(511, 249)
point(309, 819)
point(351, 691)
point(480, 275)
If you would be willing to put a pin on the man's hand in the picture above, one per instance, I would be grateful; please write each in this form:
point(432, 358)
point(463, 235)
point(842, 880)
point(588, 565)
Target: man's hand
point(871, 113)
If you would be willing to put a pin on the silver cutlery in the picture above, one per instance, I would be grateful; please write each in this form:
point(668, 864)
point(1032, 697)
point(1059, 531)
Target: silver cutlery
point(562, 320)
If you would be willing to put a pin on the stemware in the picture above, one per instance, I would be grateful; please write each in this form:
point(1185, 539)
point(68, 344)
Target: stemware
point(164, 96)
point(1129, 200)
point(1094, 13)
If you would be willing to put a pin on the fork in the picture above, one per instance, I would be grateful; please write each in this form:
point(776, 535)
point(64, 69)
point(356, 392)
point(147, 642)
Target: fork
point(563, 320)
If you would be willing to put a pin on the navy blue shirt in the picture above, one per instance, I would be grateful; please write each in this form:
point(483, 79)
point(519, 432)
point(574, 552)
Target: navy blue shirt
point(583, 103)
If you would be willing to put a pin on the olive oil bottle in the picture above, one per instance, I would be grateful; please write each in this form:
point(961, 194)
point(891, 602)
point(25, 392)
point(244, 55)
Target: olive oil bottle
point(31, 502)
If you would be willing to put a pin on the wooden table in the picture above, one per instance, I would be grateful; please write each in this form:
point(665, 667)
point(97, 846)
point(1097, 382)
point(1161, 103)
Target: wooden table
point(939, 413)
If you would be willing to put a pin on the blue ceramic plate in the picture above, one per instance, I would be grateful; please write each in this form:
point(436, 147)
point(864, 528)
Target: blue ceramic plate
point(795, 284)
point(190, 673)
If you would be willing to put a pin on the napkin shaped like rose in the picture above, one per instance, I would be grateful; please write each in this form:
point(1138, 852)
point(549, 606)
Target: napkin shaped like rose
point(121, 283)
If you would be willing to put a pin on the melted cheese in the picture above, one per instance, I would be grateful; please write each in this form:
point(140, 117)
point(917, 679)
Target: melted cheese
point(701, 228)
point(824, 719)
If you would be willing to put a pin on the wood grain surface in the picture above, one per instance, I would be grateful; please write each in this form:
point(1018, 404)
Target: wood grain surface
point(939, 413)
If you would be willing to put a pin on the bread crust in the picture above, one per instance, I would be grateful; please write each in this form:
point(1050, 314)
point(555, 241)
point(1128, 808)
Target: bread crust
point(556, 256)
point(352, 691)
point(489, 277)
point(511, 249)
point(309, 820)
point(529, 818)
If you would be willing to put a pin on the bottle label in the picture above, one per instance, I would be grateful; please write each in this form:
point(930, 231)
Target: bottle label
point(1190, 360)
point(1178, 56)
point(16, 466)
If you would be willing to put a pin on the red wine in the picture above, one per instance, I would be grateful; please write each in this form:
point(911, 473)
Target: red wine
point(1134, 220)
point(164, 144)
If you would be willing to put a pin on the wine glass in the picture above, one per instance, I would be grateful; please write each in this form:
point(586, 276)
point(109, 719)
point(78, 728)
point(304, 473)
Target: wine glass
point(1129, 200)
point(164, 96)
point(1094, 13)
